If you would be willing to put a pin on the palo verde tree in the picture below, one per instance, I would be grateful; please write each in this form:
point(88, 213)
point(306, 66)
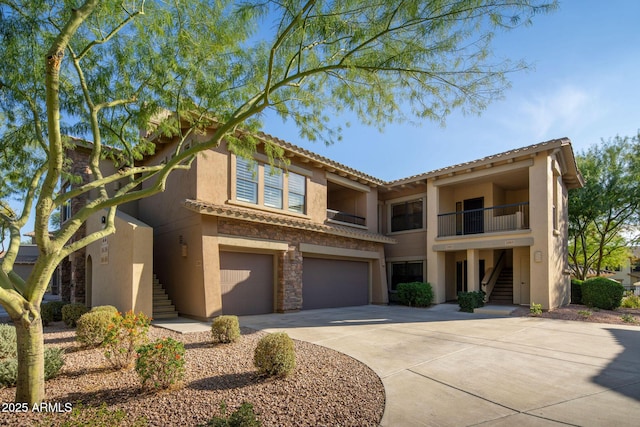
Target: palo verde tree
point(604, 215)
point(104, 70)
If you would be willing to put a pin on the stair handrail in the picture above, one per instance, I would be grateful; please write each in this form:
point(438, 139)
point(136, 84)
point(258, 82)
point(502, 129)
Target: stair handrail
point(491, 277)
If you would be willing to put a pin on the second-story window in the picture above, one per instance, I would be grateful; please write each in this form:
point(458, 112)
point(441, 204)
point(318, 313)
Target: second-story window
point(246, 180)
point(66, 207)
point(406, 215)
point(297, 192)
point(272, 187)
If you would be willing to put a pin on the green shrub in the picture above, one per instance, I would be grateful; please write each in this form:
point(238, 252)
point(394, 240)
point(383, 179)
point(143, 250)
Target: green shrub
point(124, 334)
point(244, 416)
point(108, 308)
point(8, 341)
point(630, 301)
point(628, 318)
point(416, 294)
point(46, 313)
point(53, 362)
point(602, 293)
point(585, 313)
point(101, 416)
point(470, 300)
point(576, 291)
point(275, 355)
point(92, 327)
point(535, 309)
point(72, 312)
point(160, 364)
point(225, 329)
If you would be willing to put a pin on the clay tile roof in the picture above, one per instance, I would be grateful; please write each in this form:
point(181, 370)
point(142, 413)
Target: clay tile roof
point(234, 212)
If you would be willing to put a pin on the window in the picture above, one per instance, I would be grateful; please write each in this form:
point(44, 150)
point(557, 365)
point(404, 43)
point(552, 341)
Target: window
point(297, 192)
point(406, 272)
point(273, 187)
point(406, 215)
point(66, 207)
point(246, 180)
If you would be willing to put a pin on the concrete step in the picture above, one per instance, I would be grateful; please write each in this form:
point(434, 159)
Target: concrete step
point(164, 309)
point(501, 310)
point(157, 316)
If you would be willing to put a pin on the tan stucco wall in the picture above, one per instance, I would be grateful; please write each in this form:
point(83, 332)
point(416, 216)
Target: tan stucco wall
point(124, 277)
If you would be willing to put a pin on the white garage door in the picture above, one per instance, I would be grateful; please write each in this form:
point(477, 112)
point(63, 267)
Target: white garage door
point(330, 283)
point(247, 283)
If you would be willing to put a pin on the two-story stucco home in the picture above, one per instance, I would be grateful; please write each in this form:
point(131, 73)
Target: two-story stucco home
point(238, 236)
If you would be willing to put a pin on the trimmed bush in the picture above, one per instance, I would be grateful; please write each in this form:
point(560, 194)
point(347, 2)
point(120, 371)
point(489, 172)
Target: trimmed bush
point(92, 327)
point(576, 291)
point(53, 362)
point(225, 329)
point(46, 313)
point(160, 364)
point(602, 293)
point(470, 300)
point(124, 334)
point(56, 309)
point(109, 308)
point(72, 312)
point(8, 340)
point(416, 294)
point(275, 355)
point(244, 416)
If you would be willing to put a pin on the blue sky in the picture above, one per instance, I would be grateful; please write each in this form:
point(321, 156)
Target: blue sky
point(584, 84)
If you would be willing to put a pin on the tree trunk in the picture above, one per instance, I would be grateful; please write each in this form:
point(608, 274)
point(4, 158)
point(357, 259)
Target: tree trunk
point(30, 339)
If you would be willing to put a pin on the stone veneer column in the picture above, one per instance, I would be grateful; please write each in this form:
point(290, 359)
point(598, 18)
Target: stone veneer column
point(290, 293)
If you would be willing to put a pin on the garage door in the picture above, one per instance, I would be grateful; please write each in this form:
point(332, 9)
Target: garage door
point(246, 282)
point(330, 283)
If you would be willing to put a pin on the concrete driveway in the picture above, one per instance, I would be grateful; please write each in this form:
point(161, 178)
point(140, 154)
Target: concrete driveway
point(441, 367)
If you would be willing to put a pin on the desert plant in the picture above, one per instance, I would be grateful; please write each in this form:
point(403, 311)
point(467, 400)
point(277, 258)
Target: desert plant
point(468, 301)
point(535, 309)
point(100, 416)
point(576, 291)
point(275, 355)
point(72, 312)
point(92, 327)
point(8, 341)
point(585, 313)
point(160, 363)
point(225, 329)
point(630, 301)
point(53, 362)
point(244, 416)
point(602, 293)
point(124, 334)
point(628, 318)
point(46, 314)
point(109, 308)
point(417, 294)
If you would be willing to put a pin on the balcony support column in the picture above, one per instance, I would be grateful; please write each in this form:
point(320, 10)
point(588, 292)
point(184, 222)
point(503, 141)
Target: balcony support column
point(473, 276)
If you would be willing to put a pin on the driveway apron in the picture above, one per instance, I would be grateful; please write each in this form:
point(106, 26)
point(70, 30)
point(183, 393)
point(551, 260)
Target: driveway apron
point(441, 367)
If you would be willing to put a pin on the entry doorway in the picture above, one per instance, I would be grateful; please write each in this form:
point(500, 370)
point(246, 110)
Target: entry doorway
point(473, 215)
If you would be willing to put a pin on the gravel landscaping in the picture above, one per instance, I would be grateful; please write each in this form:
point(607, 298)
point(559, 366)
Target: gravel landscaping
point(326, 388)
point(583, 313)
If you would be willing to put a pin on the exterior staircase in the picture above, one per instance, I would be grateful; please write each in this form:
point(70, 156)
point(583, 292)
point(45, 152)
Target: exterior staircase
point(162, 306)
point(503, 290)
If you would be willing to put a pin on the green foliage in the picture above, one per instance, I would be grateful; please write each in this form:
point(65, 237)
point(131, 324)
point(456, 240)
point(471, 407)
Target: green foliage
point(535, 309)
point(72, 312)
point(7, 341)
point(470, 300)
point(92, 327)
point(630, 301)
point(124, 334)
point(602, 293)
point(603, 213)
point(576, 291)
point(160, 364)
point(101, 416)
point(585, 313)
point(417, 294)
point(108, 308)
point(244, 416)
point(225, 329)
point(628, 318)
point(51, 312)
point(53, 362)
point(275, 355)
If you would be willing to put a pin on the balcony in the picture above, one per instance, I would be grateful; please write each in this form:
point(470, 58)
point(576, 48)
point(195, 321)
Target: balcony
point(345, 217)
point(487, 220)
